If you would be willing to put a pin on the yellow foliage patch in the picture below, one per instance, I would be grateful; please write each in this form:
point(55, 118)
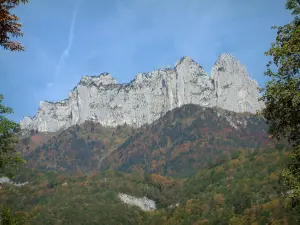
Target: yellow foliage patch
point(234, 163)
point(219, 169)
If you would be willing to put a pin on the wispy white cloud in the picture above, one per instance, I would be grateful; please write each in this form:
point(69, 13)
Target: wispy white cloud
point(65, 54)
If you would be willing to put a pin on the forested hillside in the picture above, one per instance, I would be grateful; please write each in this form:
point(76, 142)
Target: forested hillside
point(79, 147)
point(244, 189)
point(199, 165)
point(189, 138)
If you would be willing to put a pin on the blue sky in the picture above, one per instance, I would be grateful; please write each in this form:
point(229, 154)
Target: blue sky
point(66, 39)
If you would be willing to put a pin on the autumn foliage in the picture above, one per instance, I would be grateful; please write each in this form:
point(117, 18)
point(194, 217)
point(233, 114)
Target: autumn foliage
point(10, 25)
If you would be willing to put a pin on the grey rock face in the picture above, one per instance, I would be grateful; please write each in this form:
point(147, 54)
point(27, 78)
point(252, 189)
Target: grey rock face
point(234, 88)
point(4, 180)
point(144, 203)
point(149, 96)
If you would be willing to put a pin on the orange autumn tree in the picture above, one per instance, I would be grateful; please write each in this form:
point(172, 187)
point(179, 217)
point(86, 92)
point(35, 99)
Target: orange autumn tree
point(10, 25)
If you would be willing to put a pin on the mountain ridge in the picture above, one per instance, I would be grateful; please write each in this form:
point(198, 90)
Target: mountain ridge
point(150, 95)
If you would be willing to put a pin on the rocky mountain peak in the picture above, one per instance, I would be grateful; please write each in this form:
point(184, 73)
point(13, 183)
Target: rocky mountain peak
point(184, 60)
point(224, 56)
point(235, 89)
point(140, 78)
point(188, 63)
point(227, 62)
point(150, 95)
point(102, 79)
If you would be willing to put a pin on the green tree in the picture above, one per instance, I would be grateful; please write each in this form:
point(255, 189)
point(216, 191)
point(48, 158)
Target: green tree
point(8, 218)
point(282, 93)
point(9, 159)
point(10, 25)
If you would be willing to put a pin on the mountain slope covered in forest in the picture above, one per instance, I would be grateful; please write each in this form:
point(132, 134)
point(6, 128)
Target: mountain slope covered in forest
point(246, 188)
point(189, 138)
point(80, 147)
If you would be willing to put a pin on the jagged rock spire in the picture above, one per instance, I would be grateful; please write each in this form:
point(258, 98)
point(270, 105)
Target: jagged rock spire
point(235, 89)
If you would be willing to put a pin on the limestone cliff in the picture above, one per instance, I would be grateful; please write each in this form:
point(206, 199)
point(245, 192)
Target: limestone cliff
point(234, 88)
point(150, 95)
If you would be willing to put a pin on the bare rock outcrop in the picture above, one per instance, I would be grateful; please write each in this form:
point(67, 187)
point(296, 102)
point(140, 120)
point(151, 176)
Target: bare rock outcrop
point(144, 203)
point(149, 96)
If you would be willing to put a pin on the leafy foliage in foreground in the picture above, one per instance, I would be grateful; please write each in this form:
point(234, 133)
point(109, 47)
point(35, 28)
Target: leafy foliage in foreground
point(282, 93)
point(9, 158)
point(10, 25)
point(245, 189)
